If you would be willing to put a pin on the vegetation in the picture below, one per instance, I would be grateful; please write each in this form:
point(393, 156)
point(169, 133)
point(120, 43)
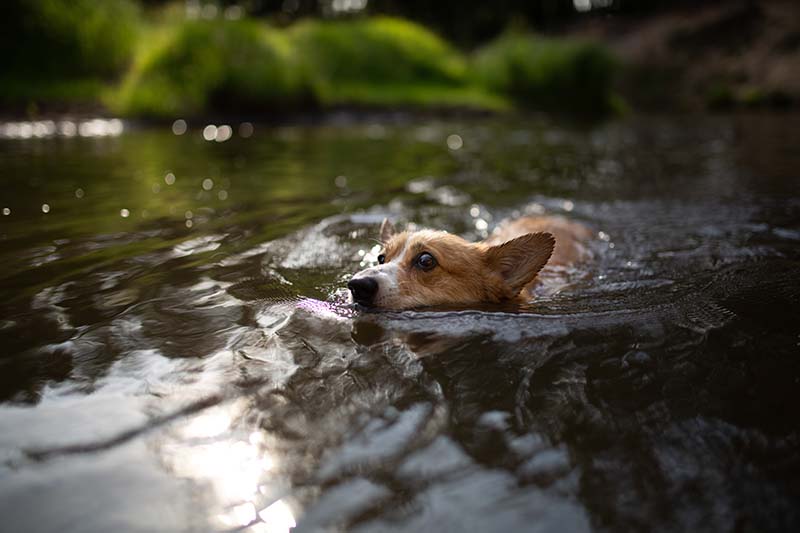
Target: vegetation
point(548, 73)
point(188, 67)
point(173, 66)
point(60, 49)
point(194, 66)
point(197, 65)
point(345, 57)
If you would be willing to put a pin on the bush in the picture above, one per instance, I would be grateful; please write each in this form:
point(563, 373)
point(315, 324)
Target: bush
point(548, 73)
point(64, 51)
point(192, 66)
point(50, 39)
point(343, 57)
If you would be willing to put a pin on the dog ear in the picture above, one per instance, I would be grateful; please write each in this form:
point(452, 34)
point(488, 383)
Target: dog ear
point(387, 231)
point(519, 260)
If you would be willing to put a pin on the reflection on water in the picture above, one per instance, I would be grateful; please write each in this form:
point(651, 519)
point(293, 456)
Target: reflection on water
point(176, 358)
point(65, 128)
point(235, 468)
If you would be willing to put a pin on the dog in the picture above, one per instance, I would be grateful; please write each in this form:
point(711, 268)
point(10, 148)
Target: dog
point(433, 268)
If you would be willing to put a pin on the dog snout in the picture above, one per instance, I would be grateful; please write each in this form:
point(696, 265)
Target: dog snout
point(363, 289)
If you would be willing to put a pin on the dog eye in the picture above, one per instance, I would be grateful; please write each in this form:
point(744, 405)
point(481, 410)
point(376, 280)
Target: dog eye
point(381, 259)
point(425, 261)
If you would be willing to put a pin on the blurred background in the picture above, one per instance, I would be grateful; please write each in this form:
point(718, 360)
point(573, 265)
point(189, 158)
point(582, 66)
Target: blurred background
point(153, 58)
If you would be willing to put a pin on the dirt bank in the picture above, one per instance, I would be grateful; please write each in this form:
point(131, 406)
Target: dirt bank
point(719, 55)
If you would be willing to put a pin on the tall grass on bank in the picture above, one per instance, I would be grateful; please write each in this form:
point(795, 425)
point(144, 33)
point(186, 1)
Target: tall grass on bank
point(82, 50)
point(195, 66)
point(64, 49)
point(381, 58)
point(191, 67)
point(550, 74)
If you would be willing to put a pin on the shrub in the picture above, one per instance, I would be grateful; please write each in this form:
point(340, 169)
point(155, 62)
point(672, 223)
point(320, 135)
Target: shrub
point(191, 66)
point(548, 73)
point(49, 39)
point(186, 67)
point(374, 52)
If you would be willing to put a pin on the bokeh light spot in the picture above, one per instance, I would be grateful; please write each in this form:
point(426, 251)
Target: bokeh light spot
point(179, 127)
point(223, 133)
point(455, 142)
point(210, 132)
point(245, 130)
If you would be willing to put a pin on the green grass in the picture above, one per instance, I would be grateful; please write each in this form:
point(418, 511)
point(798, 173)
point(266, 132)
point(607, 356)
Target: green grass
point(64, 51)
point(191, 67)
point(64, 91)
point(105, 52)
point(384, 61)
point(67, 38)
point(414, 95)
point(195, 66)
point(550, 74)
point(377, 52)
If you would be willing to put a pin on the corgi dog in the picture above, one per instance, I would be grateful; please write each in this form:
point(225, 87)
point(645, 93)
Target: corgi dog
point(428, 268)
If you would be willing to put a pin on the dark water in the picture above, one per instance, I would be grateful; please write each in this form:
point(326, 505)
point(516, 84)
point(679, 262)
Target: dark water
point(180, 357)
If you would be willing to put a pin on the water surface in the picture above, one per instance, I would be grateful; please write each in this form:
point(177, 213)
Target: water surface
point(178, 353)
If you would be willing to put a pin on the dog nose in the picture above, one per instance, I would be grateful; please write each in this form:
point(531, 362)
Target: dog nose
point(363, 289)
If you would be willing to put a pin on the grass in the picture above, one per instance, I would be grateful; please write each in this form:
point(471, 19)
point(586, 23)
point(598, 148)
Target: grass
point(72, 38)
point(380, 52)
point(385, 61)
point(550, 74)
point(415, 95)
point(195, 66)
point(64, 50)
point(171, 66)
point(64, 91)
point(189, 67)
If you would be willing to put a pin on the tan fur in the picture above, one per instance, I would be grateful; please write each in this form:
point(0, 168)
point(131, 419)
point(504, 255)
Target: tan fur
point(501, 268)
point(571, 237)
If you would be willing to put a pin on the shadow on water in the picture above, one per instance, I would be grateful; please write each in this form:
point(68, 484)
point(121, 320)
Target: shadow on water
point(172, 348)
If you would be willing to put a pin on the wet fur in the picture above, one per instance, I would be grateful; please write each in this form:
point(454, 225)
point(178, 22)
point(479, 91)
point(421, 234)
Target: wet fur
point(500, 269)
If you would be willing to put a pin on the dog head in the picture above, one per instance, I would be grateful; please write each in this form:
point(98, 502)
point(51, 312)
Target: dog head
point(425, 268)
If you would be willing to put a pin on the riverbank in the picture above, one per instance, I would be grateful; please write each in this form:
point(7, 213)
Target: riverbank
point(168, 63)
point(718, 56)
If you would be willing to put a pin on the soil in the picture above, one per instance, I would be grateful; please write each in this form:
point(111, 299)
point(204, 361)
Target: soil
point(744, 53)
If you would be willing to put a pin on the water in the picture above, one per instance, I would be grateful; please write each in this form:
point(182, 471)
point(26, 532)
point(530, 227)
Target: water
point(178, 354)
